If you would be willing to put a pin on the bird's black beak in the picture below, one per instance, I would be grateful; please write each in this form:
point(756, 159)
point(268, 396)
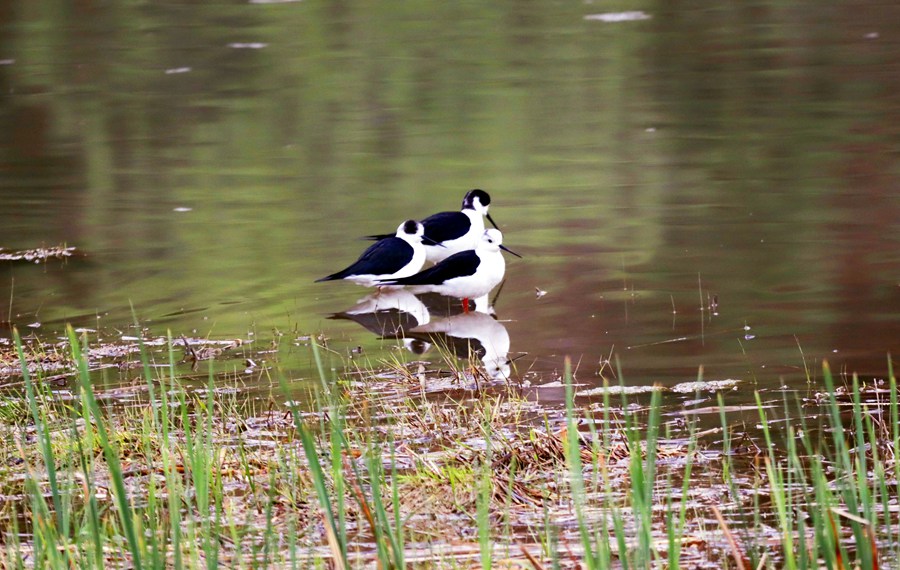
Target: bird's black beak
point(491, 220)
point(430, 241)
point(506, 249)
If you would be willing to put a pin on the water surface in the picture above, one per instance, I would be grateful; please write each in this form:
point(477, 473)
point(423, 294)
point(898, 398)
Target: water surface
point(705, 185)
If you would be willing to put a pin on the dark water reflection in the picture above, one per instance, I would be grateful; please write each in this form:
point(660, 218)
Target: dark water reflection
point(212, 160)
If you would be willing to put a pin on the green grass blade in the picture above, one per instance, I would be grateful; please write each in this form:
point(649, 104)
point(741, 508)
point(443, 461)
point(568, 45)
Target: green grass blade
point(126, 513)
point(43, 433)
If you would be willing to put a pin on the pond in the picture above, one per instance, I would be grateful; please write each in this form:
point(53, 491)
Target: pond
point(713, 185)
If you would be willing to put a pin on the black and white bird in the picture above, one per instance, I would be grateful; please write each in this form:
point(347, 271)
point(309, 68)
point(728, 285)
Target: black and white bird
point(452, 232)
point(465, 275)
point(401, 255)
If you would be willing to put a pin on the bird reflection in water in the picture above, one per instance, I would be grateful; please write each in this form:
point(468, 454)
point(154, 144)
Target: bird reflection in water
point(387, 312)
point(421, 321)
point(468, 335)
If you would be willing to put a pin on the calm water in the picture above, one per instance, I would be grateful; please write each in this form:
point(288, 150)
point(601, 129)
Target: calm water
point(211, 160)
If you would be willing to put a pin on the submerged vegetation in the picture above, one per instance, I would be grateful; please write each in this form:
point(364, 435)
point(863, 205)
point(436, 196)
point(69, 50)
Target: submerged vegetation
point(381, 471)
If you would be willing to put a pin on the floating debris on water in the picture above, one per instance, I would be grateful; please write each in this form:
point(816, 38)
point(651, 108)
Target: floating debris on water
point(705, 386)
point(557, 384)
point(38, 255)
point(618, 390)
point(248, 45)
point(55, 358)
point(195, 355)
point(48, 359)
point(614, 17)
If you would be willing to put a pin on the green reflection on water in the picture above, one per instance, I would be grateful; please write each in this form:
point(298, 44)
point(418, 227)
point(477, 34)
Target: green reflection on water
point(752, 145)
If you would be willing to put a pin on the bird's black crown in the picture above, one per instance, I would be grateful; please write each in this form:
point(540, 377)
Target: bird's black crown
point(469, 199)
point(409, 227)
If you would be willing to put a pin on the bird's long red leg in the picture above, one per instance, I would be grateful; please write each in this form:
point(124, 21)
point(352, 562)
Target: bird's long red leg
point(465, 304)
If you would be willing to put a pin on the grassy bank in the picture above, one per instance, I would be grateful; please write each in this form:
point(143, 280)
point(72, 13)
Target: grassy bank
point(378, 473)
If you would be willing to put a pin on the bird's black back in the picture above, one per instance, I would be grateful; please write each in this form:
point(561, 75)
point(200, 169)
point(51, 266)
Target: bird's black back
point(460, 264)
point(440, 227)
point(446, 226)
point(382, 257)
